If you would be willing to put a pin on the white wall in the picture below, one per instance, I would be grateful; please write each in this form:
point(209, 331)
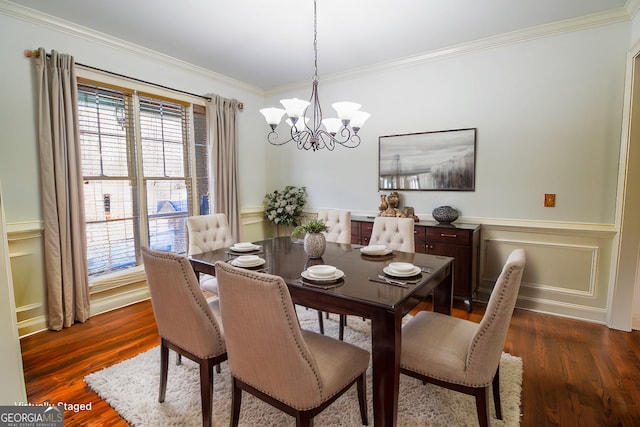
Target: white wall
point(548, 113)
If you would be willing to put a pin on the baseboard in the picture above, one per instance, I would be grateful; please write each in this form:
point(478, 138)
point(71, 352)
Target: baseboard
point(119, 300)
point(635, 322)
point(556, 308)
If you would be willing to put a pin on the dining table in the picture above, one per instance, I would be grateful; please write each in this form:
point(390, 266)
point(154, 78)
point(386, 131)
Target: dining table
point(363, 290)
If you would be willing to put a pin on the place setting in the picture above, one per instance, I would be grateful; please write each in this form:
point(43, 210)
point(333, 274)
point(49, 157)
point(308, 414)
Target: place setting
point(244, 248)
point(376, 252)
point(322, 276)
point(401, 274)
point(251, 262)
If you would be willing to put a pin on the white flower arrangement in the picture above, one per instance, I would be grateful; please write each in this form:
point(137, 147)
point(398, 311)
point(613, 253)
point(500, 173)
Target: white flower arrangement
point(285, 207)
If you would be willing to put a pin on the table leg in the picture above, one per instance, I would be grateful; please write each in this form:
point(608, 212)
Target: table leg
point(443, 295)
point(385, 353)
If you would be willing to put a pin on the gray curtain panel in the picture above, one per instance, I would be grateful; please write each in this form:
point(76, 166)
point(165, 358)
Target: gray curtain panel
point(223, 155)
point(62, 196)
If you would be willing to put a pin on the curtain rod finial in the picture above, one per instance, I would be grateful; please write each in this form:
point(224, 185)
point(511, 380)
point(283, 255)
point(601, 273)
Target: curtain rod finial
point(31, 53)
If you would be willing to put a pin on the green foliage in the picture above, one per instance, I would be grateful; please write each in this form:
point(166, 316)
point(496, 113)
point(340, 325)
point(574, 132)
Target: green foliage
point(313, 226)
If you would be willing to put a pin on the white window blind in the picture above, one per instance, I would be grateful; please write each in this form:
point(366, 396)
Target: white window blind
point(138, 181)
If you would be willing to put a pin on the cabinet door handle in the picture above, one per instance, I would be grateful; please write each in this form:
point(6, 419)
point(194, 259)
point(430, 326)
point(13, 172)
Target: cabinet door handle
point(448, 235)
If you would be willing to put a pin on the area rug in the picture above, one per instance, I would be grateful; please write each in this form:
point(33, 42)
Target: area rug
point(131, 388)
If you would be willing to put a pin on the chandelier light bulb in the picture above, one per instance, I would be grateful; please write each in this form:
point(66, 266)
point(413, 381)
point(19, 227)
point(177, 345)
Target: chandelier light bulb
point(273, 116)
point(332, 125)
point(295, 107)
point(358, 120)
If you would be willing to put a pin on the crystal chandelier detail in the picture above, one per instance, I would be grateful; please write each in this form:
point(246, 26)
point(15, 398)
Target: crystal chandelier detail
point(308, 129)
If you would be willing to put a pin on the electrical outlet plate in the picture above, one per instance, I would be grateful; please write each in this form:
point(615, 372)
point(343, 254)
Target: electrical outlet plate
point(549, 200)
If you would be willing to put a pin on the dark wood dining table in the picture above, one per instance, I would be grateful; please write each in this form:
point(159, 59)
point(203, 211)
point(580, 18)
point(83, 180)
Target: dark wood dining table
point(356, 295)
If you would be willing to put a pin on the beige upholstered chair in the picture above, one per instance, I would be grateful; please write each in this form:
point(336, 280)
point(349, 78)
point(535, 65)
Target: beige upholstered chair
point(271, 357)
point(207, 233)
point(187, 324)
point(463, 355)
point(339, 223)
point(393, 232)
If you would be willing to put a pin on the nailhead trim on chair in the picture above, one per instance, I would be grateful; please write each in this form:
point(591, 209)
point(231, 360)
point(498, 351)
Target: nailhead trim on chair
point(186, 272)
point(261, 277)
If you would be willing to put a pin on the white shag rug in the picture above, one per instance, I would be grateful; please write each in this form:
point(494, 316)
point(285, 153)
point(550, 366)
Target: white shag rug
point(131, 388)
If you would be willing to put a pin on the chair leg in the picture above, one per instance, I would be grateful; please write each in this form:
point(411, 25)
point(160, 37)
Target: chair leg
point(496, 394)
point(482, 406)
point(164, 370)
point(304, 419)
point(342, 323)
point(206, 390)
point(178, 359)
point(320, 322)
point(236, 400)
point(362, 399)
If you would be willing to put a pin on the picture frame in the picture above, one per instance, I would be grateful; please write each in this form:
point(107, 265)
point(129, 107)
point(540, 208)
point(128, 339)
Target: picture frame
point(442, 160)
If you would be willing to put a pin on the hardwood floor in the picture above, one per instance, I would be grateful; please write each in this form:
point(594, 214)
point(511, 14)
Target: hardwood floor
point(575, 373)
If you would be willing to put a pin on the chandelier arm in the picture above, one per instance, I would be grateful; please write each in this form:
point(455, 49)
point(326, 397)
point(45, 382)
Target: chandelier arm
point(273, 136)
point(311, 135)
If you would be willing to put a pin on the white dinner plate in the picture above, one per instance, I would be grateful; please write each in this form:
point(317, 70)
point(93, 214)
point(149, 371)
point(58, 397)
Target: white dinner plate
point(255, 263)
point(307, 275)
point(375, 250)
point(245, 248)
point(394, 273)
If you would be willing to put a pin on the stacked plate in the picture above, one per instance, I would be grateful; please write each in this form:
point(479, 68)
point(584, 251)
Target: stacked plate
point(375, 250)
point(401, 269)
point(244, 247)
point(247, 261)
point(322, 273)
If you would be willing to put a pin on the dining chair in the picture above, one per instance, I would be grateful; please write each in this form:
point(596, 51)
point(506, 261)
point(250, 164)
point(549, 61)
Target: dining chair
point(462, 355)
point(393, 232)
point(339, 223)
point(187, 323)
point(297, 371)
point(207, 233)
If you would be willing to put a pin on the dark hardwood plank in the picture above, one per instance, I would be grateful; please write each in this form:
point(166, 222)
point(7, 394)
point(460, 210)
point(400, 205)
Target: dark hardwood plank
point(575, 373)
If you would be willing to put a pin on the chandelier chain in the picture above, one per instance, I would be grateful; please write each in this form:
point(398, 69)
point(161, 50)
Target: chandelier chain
point(315, 42)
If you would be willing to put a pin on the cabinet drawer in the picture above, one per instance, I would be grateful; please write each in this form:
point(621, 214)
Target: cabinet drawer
point(452, 236)
point(365, 229)
point(419, 234)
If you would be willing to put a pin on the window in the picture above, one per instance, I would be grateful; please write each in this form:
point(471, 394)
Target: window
point(143, 159)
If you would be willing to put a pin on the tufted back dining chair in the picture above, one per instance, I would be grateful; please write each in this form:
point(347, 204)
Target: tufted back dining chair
point(393, 232)
point(339, 223)
point(207, 233)
point(462, 355)
point(297, 371)
point(187, 323)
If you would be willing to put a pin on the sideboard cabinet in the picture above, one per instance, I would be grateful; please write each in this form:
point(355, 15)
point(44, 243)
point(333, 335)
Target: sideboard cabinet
point(459, 241)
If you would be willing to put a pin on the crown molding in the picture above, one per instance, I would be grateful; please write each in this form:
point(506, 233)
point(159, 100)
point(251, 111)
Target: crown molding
point(547, 30)
point(632, 7)
point(57, 24)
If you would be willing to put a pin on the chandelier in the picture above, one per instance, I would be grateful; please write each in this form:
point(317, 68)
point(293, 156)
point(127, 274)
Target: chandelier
point(308, 129)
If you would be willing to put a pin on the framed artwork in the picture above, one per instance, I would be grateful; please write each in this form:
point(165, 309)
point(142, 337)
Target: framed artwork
point(431, 161)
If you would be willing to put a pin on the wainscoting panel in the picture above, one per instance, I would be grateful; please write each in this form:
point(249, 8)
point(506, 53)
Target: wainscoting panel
point(567, 270)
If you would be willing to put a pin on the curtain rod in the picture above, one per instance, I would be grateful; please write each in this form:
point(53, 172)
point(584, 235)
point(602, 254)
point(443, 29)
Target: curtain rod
point(34, 54)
